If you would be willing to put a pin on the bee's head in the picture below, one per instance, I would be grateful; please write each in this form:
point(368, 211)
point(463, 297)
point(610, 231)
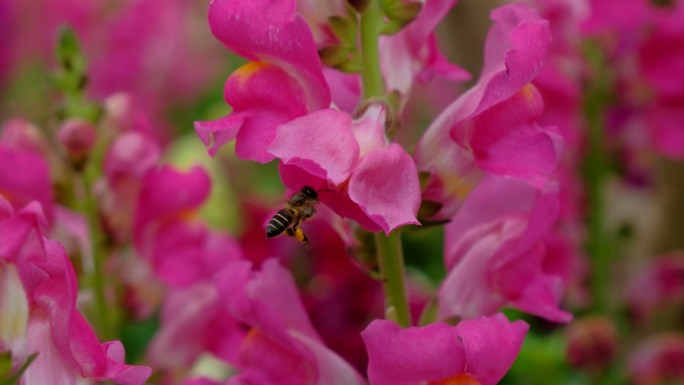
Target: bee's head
point(309, 192)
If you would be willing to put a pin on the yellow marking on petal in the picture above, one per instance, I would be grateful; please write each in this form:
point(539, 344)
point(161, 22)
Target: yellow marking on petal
point(243, 73)
point(459, 379)
point(528, 91)
point(187, 215)
point(455, 186)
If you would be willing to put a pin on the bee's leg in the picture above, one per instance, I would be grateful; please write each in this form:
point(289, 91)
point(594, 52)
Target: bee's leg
point(290, 232)
point(301, 237)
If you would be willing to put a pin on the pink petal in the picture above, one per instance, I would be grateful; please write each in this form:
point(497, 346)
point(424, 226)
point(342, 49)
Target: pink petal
point(216, 133)
point(369, 129)
point(386, 188)
point(666, 131)
point(413, 355)
point(506, 140)
point(265, 30)
point(484, 348)
point(160, 196)
point(321, 143)
point(491, 345)
point(25, 177)
point(268, 298)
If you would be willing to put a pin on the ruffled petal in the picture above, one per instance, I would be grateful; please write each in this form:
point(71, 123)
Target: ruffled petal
point(320, 143)
point(386, 188)
point(491, 345)
point(216, 133)
point(409, 356)
point(506, 140)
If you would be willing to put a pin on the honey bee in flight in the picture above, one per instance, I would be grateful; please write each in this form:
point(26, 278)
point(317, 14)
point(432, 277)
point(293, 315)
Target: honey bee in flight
point(299, 208)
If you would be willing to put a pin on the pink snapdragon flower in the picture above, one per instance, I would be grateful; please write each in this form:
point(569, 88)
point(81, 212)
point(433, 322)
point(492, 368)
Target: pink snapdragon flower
point(474, 352)
point(353, 166)
point(181, 248)
point(495, 124)
point(282, 81)
point(412, 53)
point(281, 346)
point(494, 252)
point(129, 158)
point(38, 304)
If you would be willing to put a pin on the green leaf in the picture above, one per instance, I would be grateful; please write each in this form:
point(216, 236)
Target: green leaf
point(16, 376)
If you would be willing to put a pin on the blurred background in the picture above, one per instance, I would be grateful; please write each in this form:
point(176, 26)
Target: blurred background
point(157, 61)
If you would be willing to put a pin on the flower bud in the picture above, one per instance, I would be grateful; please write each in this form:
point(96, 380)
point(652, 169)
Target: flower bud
point(592, 343)
point(77, 138)
point(658, 360)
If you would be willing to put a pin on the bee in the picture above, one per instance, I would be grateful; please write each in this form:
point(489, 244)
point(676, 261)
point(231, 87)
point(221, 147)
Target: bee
point(300, 207)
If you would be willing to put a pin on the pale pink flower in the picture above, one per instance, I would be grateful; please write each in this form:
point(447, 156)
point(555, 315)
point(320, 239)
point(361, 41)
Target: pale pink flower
point(494, 252)
point(494, 126)
point(281, 346)
point(39, 301)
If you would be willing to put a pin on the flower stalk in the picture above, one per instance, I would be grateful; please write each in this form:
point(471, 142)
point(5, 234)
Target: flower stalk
point(391, 261)
point(596, 170)
point(371, 76)
point(390, 254)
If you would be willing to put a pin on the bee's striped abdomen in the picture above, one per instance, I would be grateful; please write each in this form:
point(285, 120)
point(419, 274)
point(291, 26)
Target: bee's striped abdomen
point(280, 221)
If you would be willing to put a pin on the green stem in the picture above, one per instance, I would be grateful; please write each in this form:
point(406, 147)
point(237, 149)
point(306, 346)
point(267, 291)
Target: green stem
point(99, 286)
point(371, 21)
point(390, 255)
point(391, 261)
point(596, 171)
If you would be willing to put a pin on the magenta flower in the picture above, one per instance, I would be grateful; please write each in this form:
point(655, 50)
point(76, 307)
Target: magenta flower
point(355, 169)
point(25, 177)
point(129, 158)
point(494, 124)
point(494, 253)
point(39, 300)
point(283, 80)
point(282, 346)
point(477, 351)
point(182, 250)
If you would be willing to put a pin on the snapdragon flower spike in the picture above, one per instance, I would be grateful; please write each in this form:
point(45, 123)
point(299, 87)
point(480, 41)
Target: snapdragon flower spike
point(412, 53)
point(494, 252)
point(41, 287)
point(353, 166)
point(282, 346)
point(494, 124)
point(474, 352)
point(282, 81)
